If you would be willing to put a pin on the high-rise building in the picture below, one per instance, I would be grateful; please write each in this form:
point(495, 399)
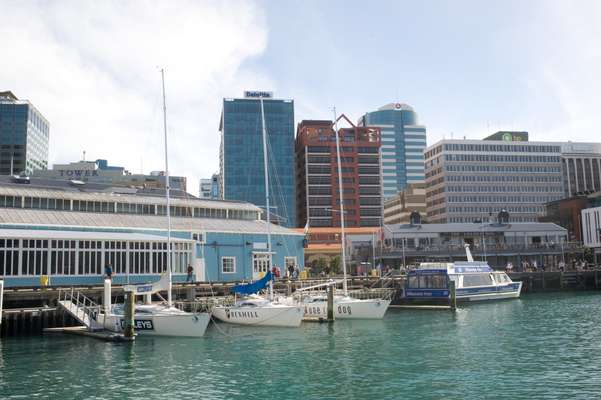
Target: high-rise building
point(205, 188)
point(317, 190)
point(209, 187)
point(581, 167)
point(473, 180)
point(403, 144)
point(23, 136)
point(241, 166)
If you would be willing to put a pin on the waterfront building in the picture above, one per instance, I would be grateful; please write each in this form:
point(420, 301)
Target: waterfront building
point(403, 144)
point(591, 229)
point(24, 136)
point(317, 190)
point(326, 243)
point(241, 170)
point(69, 231)
point(472, 180)
point(497, 242)
point(100, 172)
point(398, 208)
point(567, 212)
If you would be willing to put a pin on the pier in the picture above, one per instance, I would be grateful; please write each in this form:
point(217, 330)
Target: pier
point(34, 309)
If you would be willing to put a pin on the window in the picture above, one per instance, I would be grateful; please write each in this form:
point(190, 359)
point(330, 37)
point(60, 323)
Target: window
point(198, 237)
point(260, 263)
point(228, 265)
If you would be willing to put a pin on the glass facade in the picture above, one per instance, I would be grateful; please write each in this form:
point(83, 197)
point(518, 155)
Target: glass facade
point(23, 138)
point(403, 144)
point(241, 155)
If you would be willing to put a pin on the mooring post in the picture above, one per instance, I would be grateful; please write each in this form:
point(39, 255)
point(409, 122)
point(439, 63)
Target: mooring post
point(128, 329)
point(330, 303)
point(452, 296)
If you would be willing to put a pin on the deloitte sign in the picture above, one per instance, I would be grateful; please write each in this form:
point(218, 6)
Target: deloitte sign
point(257, 94)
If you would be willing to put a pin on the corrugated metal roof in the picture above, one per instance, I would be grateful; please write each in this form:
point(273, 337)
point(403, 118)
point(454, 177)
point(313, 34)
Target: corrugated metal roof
point(79, 235)
point(133, 221)
point(473, 227)
point(33, 191)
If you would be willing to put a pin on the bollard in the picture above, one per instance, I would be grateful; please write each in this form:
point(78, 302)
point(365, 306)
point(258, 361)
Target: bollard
point(452, 295)
point(331, 303)
point(128, 328)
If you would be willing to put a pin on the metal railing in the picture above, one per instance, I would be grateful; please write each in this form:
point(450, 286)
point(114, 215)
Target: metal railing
point(84, 304)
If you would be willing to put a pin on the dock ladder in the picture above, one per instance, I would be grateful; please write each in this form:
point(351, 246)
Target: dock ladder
point(81, 307)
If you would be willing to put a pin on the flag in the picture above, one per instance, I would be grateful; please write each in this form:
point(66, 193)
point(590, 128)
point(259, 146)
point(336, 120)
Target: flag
point(307, 227)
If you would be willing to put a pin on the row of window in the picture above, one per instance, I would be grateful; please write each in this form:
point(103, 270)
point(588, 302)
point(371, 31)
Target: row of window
point(504, 189)
point(24, 257)
point(493, 210)
point(501, 158)
point(502, 168)
point(502, 178)
point(505, 148)
point(122, 208)
point(502, 199)
point(261, 263)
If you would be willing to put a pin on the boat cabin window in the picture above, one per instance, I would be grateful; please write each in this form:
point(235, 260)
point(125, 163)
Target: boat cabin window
point(433, 282)
point(477, 280)
point(502, 278)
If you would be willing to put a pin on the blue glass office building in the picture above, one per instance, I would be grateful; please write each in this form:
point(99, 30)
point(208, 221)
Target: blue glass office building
point(403, 144)
point(23, 136)
point(241, 154)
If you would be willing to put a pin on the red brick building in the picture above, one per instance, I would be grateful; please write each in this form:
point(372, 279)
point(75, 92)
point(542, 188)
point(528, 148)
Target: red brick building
point(317, 192)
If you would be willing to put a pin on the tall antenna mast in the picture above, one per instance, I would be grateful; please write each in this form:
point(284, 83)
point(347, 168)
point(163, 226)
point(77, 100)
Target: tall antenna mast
point(169, 298)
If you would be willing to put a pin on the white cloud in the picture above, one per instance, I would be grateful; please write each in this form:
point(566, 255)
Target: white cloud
point(91, 69)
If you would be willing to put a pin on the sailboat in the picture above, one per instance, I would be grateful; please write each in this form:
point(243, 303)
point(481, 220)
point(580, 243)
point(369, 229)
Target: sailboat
point(345, 306)
point(155, 319)
point(251, 308)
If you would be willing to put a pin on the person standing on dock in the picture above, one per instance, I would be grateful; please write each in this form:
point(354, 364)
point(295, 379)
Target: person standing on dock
point(108, 271)
point(190, 271)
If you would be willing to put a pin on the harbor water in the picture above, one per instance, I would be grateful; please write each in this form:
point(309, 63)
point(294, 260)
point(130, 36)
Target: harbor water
point(540, 346)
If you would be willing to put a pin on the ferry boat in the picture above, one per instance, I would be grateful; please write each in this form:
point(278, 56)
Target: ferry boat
point(474, 280)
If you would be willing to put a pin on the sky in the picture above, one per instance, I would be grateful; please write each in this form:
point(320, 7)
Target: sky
point(469, 68)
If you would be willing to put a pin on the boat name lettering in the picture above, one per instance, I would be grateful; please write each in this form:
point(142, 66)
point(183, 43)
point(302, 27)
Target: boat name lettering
point(344, 310)
point(314, 310)
point(241, 314)
point(143, 289)
point(140, 325)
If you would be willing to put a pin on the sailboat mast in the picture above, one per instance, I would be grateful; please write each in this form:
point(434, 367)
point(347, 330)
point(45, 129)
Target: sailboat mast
point(167, 187)
point(344, 283)
point(267, 205)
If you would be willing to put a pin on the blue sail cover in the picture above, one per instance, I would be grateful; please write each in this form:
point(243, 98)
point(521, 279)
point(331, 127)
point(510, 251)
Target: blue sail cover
point(254, 287)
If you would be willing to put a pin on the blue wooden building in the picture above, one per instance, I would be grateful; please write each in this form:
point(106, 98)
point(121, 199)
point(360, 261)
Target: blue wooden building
point(69, 232)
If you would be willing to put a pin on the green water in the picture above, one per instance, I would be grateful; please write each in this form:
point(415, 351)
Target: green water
point(544, 346)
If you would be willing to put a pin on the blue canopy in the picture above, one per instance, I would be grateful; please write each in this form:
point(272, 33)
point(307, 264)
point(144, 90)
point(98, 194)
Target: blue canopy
point(254, 287)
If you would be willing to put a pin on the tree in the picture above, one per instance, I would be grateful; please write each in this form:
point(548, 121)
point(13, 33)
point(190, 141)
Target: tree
point(334, 265)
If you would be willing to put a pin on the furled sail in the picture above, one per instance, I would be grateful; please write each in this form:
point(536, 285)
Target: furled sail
point(254, 287)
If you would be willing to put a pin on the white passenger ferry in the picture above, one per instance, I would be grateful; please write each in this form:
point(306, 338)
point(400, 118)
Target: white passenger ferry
point(474, 280)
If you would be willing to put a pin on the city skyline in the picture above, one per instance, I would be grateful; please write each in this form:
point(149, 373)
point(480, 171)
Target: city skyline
point(531, 67)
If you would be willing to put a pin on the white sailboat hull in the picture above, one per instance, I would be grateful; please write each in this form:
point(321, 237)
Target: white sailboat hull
point(347, 308)
point(177, 324)
point(272, 315)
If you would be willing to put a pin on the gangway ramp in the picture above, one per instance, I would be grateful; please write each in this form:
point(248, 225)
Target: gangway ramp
point(82, 308)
